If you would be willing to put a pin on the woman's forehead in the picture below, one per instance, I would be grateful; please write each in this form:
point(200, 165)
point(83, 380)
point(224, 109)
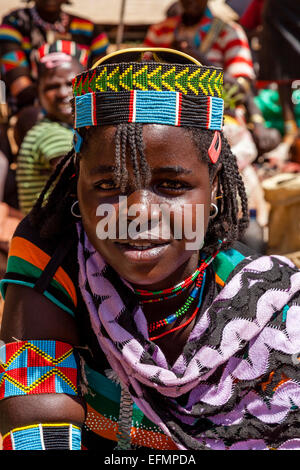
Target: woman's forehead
point(162, 145)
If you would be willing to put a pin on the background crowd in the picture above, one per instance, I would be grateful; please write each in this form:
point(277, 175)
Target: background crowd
point(42, 47)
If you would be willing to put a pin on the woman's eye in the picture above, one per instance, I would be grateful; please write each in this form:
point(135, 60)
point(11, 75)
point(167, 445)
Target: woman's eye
point(173, 185)
point(106, 185)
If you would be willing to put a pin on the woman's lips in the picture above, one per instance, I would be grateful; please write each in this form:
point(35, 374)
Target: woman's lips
point(142, 251)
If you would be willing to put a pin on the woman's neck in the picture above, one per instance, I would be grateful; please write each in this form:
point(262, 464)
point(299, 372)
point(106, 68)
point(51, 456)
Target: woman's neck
point(188, 20)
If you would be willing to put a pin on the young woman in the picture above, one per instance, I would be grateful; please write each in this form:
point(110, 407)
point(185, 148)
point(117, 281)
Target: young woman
point(139, 337)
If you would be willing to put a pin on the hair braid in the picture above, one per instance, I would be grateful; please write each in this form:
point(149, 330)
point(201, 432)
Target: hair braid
point(124, 171)
point(117, 172)
point(232, 219)
point(145, 169)
point(49, 211)
point(134, 155)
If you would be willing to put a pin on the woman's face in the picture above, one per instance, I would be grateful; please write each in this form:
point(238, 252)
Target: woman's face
point(179, 182)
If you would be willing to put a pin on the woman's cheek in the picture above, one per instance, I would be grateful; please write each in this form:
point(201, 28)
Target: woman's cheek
point(191, 213)
point(88, 204)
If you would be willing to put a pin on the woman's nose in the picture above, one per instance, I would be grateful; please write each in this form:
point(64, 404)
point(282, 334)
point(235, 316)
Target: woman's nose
point(140, 216)
point(141, 202)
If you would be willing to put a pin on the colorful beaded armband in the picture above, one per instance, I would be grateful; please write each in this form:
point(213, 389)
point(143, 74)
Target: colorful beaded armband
point(59, 436)
point(36, 367)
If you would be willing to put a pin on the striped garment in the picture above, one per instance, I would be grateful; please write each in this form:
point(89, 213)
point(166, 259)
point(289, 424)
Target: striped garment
point(20, 34)
point(46, 141)
point(28, 257)
point(230, 50)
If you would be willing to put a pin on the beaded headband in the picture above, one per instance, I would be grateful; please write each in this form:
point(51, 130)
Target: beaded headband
point(53, 55)
point(181, 93)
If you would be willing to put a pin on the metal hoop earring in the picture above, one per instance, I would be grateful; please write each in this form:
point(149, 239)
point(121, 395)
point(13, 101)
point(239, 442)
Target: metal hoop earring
point(216, 211)
point(72, 210)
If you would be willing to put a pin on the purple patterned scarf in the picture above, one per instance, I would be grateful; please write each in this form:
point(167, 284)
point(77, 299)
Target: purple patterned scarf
point(236, 385)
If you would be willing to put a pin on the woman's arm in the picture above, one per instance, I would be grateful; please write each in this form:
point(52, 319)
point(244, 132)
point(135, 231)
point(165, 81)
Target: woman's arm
point(29, 315)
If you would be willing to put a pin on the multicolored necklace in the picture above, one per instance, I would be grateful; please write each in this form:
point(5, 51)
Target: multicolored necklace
point(170, 292)
point(182, 310)
point(153, 338)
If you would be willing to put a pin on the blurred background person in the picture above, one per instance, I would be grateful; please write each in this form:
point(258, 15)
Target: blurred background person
point(279, 63)
point(222, 44)
point(22, 32)
point(51, 138)
point(26, 29)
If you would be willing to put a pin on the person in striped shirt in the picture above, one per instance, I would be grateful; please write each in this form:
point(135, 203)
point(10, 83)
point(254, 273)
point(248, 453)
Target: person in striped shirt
point(215, 43)
point(51, 138)
point(26, 29)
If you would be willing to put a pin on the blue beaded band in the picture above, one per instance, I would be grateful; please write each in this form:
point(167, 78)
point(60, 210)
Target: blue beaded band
point(145, 107)
point(58, 436)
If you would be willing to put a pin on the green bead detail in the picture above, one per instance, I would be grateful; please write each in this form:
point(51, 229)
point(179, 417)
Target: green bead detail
point(187, 79)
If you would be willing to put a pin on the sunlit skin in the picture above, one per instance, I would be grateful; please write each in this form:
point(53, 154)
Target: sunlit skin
point(165, 146)
point(55, 91)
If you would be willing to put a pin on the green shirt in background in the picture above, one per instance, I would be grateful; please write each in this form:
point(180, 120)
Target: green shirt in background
point(44, 142)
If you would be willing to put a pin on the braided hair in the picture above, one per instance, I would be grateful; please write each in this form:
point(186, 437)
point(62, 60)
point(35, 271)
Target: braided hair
point(51, 213)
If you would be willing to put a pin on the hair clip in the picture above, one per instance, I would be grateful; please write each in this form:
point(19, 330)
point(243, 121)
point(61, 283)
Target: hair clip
point(77, 141)
point(214, 152)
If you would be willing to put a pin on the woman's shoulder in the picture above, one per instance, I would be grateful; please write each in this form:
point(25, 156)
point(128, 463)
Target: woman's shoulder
point(47, 265)
point(241, 259)
point(228, 261)
point(80, 26)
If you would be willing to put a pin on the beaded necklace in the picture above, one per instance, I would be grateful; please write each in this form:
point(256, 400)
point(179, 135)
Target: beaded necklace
point(153, 338)
point(182, 310)
point(170, 292)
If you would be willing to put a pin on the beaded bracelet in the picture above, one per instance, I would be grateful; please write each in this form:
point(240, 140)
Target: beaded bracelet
point(59, 436)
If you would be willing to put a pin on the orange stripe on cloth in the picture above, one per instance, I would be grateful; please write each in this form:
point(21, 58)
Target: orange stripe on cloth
point(29, 252)
point(268, 381)
point(108, 429)
point(219, 280)
point(284, 379)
